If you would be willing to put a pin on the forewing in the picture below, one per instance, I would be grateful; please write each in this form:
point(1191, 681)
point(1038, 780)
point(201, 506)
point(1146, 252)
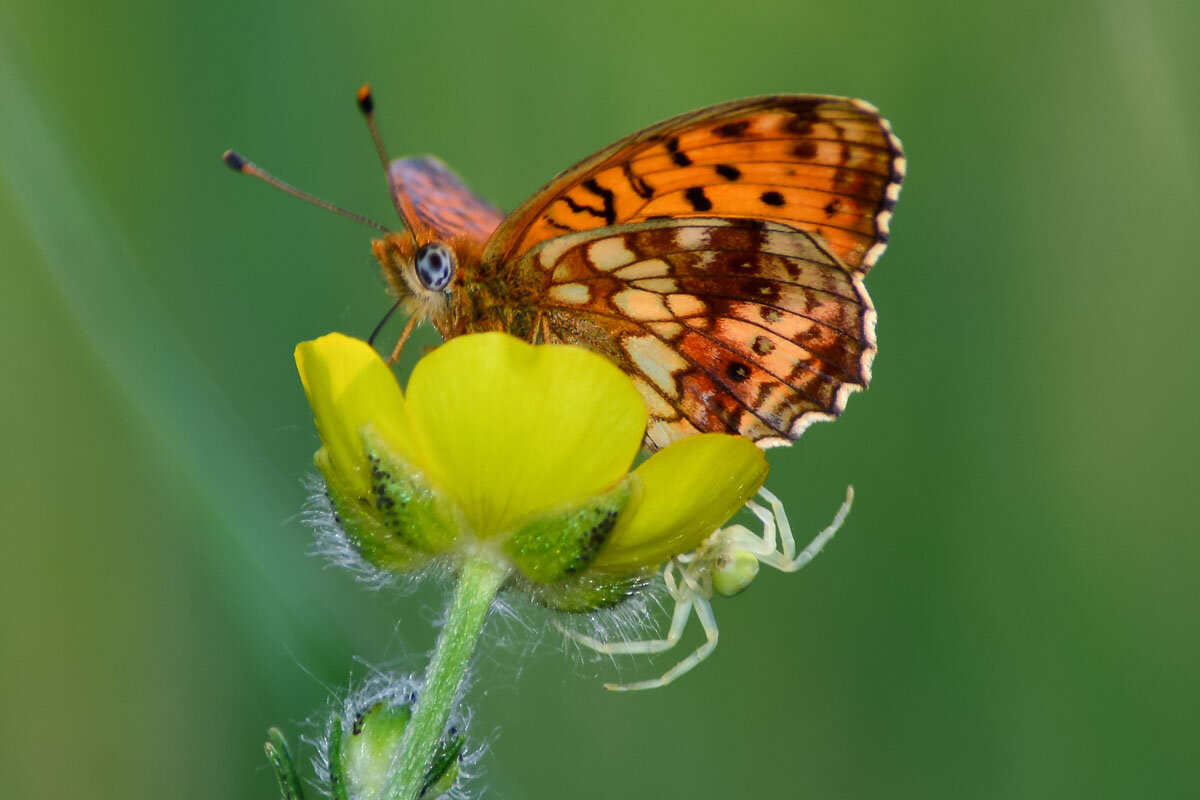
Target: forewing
point(826, 165)
point(726, 325)
point(440, 200)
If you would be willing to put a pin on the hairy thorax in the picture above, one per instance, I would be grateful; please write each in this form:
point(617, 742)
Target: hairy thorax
point(500, 303)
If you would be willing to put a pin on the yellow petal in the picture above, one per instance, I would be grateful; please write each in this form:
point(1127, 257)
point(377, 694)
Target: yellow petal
point(349, 387)
point(691, 488)
point(509, 429)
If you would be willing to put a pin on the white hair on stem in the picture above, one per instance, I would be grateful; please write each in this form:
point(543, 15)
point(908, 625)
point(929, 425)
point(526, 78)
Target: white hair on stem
point(383, 686)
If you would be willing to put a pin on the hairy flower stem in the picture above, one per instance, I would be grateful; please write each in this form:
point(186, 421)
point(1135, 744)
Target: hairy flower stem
point(478, 582)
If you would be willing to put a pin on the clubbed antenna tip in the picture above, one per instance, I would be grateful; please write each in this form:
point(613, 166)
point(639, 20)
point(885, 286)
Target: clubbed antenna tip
point(234, 161)
point(365, 102)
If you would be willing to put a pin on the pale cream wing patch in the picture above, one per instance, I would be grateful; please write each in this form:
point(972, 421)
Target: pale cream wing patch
point(727, 325)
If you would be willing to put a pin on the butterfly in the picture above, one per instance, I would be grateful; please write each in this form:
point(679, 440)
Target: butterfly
point(716, 257)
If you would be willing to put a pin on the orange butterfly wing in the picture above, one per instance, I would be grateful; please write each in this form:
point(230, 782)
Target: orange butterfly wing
point(431, 193)
point(827, 165)
point(717, 258)
point(728, 325)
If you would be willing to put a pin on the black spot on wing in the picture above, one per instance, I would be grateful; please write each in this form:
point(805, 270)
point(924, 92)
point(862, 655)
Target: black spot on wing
point(639, 184)
point(772, 198)
point(556, 224)
point(698, 199)
point(805, 150)
point(798, 126)
point(732, 130)
point(580, 208)
point(728, 172)
point(610, 209)
point(680, 159)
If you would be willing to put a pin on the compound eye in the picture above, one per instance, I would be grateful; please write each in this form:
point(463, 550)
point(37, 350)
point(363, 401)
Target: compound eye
point(435, 266)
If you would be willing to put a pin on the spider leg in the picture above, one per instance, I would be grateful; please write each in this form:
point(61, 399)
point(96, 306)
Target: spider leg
point(779, 521)
point(766, 543)
point(709, 623)
point(782, 562)
point(683, 610)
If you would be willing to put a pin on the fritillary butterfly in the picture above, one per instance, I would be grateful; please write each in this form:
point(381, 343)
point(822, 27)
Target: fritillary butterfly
point(717, 257)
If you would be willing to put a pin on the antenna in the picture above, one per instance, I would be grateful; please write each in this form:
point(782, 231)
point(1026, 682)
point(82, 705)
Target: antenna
point(391, 310)
point(404, 334)
point(366, 104)
point(238, 164)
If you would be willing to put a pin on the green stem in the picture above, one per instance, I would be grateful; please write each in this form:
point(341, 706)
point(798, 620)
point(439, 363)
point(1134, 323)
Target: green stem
point(478, 582)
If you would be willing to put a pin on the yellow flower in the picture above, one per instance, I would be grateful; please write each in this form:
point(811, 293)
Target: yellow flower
point(517, 454)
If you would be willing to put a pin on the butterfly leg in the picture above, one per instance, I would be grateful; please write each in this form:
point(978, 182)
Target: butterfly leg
point(537, 328)
point(709, 623)
point(404, 334)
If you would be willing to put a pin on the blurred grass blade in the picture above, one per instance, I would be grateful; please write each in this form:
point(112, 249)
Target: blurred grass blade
point(135, 340)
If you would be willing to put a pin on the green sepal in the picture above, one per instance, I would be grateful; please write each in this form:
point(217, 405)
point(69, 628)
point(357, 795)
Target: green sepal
point(280, 756)
point(589, 592)
point(407, 506)
point(337, 770)
point(554, 546)
point(365, 530)
point(443, 772)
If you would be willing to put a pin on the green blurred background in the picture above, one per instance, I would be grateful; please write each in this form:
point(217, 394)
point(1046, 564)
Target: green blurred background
point(1011, 610)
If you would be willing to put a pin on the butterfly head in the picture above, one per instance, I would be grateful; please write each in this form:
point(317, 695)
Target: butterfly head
point(434, 265)
point(422, 273)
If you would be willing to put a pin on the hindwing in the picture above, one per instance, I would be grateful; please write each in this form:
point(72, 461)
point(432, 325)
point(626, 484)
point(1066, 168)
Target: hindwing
point(727, 325)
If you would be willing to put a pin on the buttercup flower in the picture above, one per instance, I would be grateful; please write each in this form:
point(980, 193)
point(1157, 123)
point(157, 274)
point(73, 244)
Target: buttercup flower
point(516, 455)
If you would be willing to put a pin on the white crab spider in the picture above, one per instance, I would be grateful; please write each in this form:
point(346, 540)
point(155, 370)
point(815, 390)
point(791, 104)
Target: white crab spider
point(726, 562)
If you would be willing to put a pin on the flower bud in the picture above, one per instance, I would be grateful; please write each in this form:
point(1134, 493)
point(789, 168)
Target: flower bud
point(364, 749)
